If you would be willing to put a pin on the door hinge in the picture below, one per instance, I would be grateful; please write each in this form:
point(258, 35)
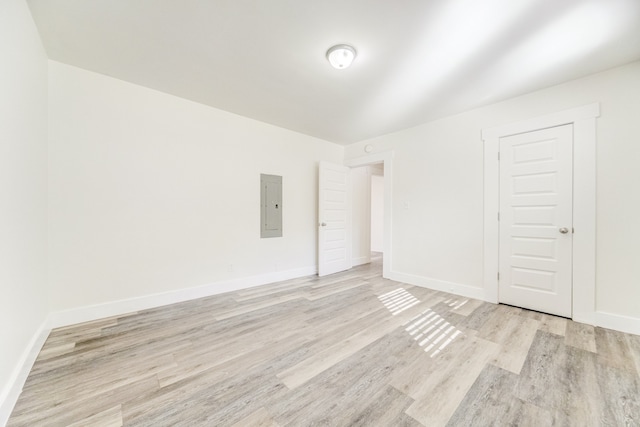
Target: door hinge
point(498, 275)
point(498, 155)
point(498, 216)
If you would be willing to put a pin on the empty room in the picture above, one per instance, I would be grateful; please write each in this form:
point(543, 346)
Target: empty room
point(296, 213)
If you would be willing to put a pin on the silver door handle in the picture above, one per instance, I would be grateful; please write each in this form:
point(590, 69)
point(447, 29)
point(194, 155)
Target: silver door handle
point(564, 230)
point(324, 224)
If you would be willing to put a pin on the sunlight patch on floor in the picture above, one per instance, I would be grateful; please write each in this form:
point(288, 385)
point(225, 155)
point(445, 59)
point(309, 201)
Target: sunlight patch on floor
point(456, 304)
point(432, 331)
point(398, 300)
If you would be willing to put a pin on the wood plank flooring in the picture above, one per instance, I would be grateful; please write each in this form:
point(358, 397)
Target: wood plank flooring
point(350, 349)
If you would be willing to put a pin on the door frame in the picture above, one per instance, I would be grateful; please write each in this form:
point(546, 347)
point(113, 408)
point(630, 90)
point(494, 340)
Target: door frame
point(386, 158)
point(583, 120)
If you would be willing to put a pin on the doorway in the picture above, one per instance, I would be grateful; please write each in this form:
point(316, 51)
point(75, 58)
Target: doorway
point(367, 213)
point(377, 212)
point(335, 234)
point(386, 159)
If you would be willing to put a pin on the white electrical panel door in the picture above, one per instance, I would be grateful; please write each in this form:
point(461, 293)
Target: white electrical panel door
point(270, 206)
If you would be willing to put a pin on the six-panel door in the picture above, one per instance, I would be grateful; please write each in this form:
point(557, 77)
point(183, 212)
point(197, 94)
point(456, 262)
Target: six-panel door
point(536, 220)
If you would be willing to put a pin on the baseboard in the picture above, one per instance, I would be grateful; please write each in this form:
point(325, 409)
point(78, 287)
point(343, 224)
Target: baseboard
point(13, 388)
point(439, 285)
point(588, 318)
point(119, 307)
point(618, 322)
point(361, 260)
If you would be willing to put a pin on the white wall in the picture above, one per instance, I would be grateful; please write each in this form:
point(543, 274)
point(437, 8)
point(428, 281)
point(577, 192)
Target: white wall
point(23, 168)
point(438, 171)
point(377, 213)
point(151, 193)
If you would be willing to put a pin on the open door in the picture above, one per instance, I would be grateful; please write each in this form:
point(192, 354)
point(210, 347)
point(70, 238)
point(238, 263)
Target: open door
point(334, 216)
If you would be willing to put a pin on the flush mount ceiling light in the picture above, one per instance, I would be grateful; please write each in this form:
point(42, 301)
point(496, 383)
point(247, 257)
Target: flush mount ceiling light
point(341, 56)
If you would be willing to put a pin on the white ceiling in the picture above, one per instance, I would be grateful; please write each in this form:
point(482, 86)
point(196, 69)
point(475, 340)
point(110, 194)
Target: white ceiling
point(417, 59)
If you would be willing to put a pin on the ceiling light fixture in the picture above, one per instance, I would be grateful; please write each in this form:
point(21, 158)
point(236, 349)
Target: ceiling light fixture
point(341, 56)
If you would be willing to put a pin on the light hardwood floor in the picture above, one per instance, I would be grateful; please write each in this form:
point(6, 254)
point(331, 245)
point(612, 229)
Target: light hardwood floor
point(347, 349)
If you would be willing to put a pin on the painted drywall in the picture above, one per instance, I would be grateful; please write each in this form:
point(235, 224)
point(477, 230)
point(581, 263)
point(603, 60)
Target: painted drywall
point(438, 194)
point(377, 213)
point(23, 169)
point(151, 193)
point(360, 215)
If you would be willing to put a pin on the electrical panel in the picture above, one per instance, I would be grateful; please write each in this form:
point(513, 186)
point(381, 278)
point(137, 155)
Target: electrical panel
point(270, 205)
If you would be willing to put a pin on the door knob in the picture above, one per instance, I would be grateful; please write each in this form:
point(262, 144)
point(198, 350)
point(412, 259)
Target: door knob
point(324, 224)
point(564, 230)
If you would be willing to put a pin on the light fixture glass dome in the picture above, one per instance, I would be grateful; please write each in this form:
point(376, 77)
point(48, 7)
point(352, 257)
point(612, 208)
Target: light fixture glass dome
point(341, 56)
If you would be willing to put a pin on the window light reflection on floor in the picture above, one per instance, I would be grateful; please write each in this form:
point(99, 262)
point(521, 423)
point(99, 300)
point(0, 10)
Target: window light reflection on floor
point(429, 329)
point(455, 303)
point(432, 331)
point(398, 301)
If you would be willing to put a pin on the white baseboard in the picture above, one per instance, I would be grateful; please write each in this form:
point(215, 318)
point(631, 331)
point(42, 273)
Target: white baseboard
point(361, 260)
point(588, 318)
point(119, 307)
point(618, 322)
point(439, 285)
point(13, 388)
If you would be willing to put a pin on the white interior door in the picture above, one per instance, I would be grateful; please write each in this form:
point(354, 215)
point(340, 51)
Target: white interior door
point(334, 235)
point(536, 233)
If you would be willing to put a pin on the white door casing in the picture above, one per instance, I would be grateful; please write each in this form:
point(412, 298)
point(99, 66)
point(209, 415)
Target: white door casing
point(535, 262)
point(583, 119)
point(334, 215)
